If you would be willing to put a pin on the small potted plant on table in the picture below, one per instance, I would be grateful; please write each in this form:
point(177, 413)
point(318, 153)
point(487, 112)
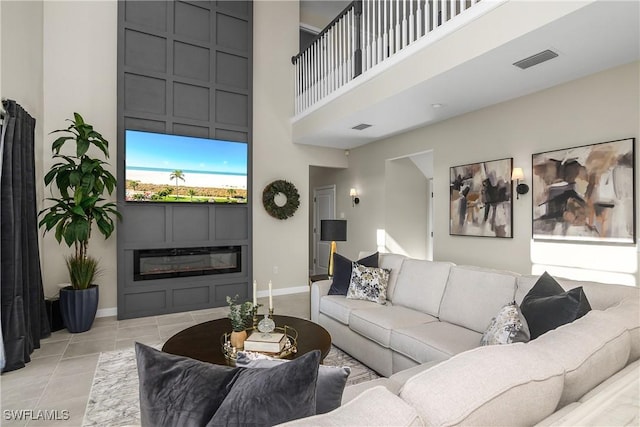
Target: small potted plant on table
point(241, 317)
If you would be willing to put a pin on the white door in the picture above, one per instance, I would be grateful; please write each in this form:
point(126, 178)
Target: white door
point(324, 207)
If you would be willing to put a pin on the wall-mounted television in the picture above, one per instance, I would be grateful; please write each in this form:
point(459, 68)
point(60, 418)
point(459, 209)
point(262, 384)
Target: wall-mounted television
point(180, 169)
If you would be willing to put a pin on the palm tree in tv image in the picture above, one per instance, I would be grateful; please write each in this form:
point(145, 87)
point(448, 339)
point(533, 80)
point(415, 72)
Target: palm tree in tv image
point(177, 174)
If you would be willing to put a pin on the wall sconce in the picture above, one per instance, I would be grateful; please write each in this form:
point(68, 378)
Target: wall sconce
point(354, 197)
point(521, 188)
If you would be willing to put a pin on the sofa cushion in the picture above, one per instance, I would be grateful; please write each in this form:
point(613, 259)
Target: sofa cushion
point(590, 349)
point(368, 283)
point(628, 311)
point(474, 295)
point(330, 385)
point(547, 305)
point(393, 262)
point(342, 271)
point(339, 308)
point(377, 324)
point(485, 387)
point(507, 327)
point(421, 284)
point(433, 341)
point(374, 407)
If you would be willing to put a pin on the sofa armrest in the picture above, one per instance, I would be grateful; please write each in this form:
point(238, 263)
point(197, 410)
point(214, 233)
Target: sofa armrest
point(318, 290)
point(376, 406)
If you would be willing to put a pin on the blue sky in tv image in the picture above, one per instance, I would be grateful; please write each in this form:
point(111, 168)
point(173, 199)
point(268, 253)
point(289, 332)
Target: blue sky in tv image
point(152, 158)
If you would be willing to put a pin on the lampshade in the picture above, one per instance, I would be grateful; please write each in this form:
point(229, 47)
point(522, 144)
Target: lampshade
point(517, 173)
point(333, 230)
point(353, 192)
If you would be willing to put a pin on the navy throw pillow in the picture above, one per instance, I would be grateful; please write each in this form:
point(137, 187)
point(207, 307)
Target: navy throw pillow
point(547, 305)
point(342, 267)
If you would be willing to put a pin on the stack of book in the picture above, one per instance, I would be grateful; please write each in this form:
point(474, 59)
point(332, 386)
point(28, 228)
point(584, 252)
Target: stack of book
point(267, 343)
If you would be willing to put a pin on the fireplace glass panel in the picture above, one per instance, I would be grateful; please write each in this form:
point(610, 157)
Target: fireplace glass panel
point(180, 262)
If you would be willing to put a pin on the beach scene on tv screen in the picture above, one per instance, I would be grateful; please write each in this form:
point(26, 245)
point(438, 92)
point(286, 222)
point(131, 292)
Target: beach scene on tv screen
point(173, 168)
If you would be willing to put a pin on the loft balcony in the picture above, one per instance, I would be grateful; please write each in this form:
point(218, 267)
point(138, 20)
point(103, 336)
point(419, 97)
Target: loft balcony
point(400, 64)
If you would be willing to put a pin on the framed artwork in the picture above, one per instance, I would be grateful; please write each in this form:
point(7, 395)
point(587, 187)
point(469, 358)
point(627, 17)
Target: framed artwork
point(480, 199)
point(585, 193)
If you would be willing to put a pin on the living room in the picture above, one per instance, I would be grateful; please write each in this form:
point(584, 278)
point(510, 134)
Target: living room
point(39, 40)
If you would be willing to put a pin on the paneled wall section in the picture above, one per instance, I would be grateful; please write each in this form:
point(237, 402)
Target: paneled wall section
point(184, 68)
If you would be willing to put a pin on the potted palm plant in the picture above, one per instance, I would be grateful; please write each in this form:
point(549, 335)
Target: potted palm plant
point(81, 182)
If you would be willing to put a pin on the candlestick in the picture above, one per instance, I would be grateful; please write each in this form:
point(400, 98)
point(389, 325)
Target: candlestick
point(270, 297)
point(255, 295)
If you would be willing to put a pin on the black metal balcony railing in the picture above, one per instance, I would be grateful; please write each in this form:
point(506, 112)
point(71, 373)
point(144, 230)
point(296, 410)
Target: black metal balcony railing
point(363, 35)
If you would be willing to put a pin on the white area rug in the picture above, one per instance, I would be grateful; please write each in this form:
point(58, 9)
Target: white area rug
point(114, 400)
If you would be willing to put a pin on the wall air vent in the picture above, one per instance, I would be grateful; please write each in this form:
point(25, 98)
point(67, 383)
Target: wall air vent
point(536, 59)
point(361, 126)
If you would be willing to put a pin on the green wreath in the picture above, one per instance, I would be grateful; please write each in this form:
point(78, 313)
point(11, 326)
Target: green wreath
point(289, 191)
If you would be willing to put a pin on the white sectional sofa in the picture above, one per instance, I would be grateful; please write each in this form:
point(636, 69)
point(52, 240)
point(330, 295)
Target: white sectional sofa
point(426, 341)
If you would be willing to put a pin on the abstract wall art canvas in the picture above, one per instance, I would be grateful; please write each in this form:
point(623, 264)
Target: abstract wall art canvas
point(480, 199)
point(585, 193)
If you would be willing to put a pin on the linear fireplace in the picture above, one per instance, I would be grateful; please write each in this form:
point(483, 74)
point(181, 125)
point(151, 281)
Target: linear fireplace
point(150, 264)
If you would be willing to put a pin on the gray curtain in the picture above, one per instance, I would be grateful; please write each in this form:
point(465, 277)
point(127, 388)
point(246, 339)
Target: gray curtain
point(23, 312)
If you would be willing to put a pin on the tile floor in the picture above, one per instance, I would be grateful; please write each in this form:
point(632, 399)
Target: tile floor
point(60, 373)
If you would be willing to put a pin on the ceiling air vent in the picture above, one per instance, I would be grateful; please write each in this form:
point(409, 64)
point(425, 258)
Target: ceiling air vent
point(536, 59)
point(361, 126)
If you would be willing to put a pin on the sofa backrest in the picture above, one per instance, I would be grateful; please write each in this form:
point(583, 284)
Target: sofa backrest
point(473, 296)
point(421, 284)
point(492, 385)
point(591, 349)
point(391, 261)
point(600, 295)
point(628, 311)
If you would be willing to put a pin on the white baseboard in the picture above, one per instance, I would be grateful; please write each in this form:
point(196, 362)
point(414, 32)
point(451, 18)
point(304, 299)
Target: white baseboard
point(285, 291)
point(106, 312)
point(113, 311)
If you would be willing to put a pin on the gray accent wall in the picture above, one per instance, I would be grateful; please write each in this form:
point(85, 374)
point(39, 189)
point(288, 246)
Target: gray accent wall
point(184, 68)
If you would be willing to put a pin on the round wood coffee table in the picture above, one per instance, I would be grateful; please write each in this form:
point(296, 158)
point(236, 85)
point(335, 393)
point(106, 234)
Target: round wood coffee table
point(202, 341)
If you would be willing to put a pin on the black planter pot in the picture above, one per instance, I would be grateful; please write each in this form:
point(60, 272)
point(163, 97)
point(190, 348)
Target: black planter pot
point(79, 307)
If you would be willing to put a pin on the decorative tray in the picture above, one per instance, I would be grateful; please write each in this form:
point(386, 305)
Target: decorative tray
point(290, 345)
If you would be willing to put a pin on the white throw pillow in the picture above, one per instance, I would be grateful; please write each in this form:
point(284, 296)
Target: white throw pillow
point(369, 283)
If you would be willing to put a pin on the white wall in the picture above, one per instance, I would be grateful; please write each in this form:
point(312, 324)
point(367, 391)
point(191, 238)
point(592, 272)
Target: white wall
point(280, 243)
point(597, 108)
point(80, 54)
point(406, 214)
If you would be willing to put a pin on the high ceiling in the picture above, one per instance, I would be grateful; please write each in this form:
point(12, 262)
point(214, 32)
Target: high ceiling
point(601, 35)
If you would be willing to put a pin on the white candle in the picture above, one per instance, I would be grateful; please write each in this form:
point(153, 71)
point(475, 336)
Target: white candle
point(270, 297)
point(255, 294)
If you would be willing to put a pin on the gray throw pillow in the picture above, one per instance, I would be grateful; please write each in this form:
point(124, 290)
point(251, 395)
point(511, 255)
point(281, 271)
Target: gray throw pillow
point(330, 385)
point(265, 397)
point(179, 391)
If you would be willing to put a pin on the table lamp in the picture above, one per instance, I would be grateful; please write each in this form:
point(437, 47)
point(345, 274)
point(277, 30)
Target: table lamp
point(333, 230)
